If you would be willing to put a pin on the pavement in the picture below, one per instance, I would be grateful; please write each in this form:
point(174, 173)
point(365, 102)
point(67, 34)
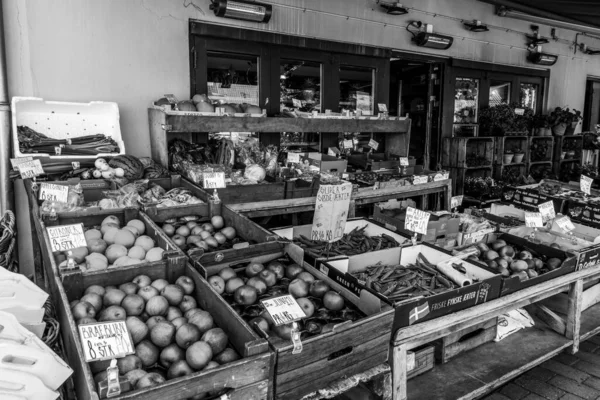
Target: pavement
point(564, 377)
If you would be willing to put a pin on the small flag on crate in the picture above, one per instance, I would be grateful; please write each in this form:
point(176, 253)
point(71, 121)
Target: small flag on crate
point(418, 312)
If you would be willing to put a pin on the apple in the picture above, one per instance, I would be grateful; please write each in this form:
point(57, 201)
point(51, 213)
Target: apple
point(128, 363)
point(306, 277)
point(232, 285)
point(293, 270)
point(178, 322)
point(246, 295)
point(298, 288)
point(170, 354)
point(134, 376)
point(186, 283)
point(94, 299)
point(83, 309)
point(160, 284)
point(254, 269)
point(157, 305)
point(168, 229)
point(188, 314)
point(333, 301)
point(186, 335)
point(178, 240)
point(147, 352)
point(198, 355)
point(269, 277)
point(227, 273)
point(307, 306)
point(99, 290)
point(217, 283)
point(133, 304)
point(173, 312)
point(182, 231)
point(193, 239)
point(208, 227)
point(113, 297)
point(216, 338)
point(525, 255)
point(277, 268)
point(153, 321)
point(129, 288)
point(258, 284)
point(259, 322)
point(173, 294)
point(283, 331)
point(111, 219)
point(137, 329)
point(150, 380)
point(112, 313)
point(142, 281)
point(187, 303)
point(196, 230)
point(86, 320)
point(148, 292)
point(318, 288)
point(178, 369)
point(190, 225)
point(226, 356)
point(202, 319)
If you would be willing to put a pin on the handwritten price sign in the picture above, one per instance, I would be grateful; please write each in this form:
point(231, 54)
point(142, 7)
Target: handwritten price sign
point(533, 220)
point(547, 210)
point(456, 201)
point(348, 144)
point(283, 309)
point(416, 220)
point(293, 158)
point(331, 212)
point(214, 180)
point(105, 340)
point(373, 144)
point(585, 183)
point(420, 179)
point(565, 224)
point(51, 192)
point(30, 169)
point(404, 161)
point(66, 237)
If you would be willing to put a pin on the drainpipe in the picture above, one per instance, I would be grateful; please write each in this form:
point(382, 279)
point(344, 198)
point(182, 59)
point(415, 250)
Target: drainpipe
point(6, 191)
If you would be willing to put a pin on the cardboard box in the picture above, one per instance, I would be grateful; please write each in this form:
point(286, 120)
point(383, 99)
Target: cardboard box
point(587, 256)
point(421, 308)
point(324, 162)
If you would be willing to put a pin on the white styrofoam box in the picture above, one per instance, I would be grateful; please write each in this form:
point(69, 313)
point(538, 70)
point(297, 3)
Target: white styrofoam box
point(63, 120)
point(19, 385)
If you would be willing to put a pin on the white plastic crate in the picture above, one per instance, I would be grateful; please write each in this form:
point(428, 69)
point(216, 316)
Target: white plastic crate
point(62, 120)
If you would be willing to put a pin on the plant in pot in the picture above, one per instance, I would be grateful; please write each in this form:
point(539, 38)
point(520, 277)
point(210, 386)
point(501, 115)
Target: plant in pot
point(496, 120)
point(542, 125)
point(564, 121)
point(523, 120)
point(518, 155)
point(508, 156)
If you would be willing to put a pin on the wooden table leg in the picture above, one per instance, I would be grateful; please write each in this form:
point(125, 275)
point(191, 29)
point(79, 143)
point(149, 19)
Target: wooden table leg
point(399, 372)
point(352, 209)
point(574, 315)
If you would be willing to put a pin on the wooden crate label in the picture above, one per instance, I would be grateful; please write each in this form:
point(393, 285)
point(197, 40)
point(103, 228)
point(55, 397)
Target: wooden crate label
point(105, 340)
point(283, 309)
point(331, 212)
point(66, 237)
point(52, 192)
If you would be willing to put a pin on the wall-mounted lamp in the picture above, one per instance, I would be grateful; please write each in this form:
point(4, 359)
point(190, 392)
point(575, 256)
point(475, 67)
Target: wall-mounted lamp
point(535, 39)
point(540, 58)
point(583, 47)
point(242, 9)
point(427, 38)
point(476, 26)
point(393, 8)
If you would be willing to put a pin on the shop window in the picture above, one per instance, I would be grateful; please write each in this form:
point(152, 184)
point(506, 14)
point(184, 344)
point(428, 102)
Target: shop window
point(357, 89)
point(528, 94)
point(466, 103)
point(232, 78)
point(499, 93)
point(300, 85)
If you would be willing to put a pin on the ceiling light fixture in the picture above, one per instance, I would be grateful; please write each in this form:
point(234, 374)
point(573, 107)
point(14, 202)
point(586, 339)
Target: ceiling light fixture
point(393, 8)
point(245, 10)
point(476, 26)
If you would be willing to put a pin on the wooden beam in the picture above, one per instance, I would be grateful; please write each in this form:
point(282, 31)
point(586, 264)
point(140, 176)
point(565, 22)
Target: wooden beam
point(549, 317)
point(574, 316)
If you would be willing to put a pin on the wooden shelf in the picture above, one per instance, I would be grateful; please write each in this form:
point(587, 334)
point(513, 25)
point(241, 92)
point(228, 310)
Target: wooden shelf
point(307, 144)
point(480, 370)
point(570, 160)
point(489, 166)
point(540, 162)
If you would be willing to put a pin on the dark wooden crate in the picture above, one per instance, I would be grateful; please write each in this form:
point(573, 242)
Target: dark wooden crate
point(505, 143)
point(298, 188)
point(459, 175)
point(464, 340)
point(350, 348)
point(457, 150)
point(247, 378)
point(424, 360)
point(237, 194)
point(533, 140)
point(499, 170)
point(374, 161)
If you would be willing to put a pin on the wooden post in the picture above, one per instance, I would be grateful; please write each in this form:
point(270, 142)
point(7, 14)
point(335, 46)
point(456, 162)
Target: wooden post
point(399, 372)
point(574, 316)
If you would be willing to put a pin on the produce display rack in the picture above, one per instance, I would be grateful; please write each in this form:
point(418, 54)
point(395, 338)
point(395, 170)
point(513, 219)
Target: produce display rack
point(458, 176)
point(533, 140)
point(538, 164)
point(509, 143)
point(457, 150)
point(514, 169)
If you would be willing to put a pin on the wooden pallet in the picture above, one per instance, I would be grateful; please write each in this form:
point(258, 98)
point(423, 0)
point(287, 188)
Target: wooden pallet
point(505, 143)
point(247, 378)
point(459, 175)
point(350, 348)
point(464, 340)
point(457, 150)
point(535, 141)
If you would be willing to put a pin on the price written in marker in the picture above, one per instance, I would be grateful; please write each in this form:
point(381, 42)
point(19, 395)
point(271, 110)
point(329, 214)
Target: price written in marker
point(565, 224)
point(533, 219)
point(293, 158)
point(16, 161)
point(547, 210)
point(105, 340)
point(66, 237)
point(30, 169)
point(331, 212)
point(214, 180)
point(456, 201)
point(585, 183)
point(404, 161)
point(52, 192)
point(283, 309)
point(373, 144)
point(382, 107)
point(348, 144)
point(420, 179)
point(416, 220)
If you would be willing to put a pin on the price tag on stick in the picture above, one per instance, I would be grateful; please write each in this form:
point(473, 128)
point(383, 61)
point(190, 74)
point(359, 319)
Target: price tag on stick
point(105, 340)
point(331, 212)
point(382, 107)
point(373, 144)
point(293, 158)
point(30, 169)
point(456, 201)
point(416, 220)
point(283, 309)
point(404, 161)
point(565, 224)
point(547, 210)
point(16, 161)
point(420, 179)
point(52, 192)
point(533, 220)
point(585, 183)
point(66, 237)
point(213, 180)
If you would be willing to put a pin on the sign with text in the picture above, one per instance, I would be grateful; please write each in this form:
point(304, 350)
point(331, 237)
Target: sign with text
point(331, 212)
point(420, 179)
point(416, 220)
point(404, 161)
point(297, 103)
point(565, 224)
point(456, 201)
point(30, 169)
point(52, 192)
point(373, 144)
point(585, 183)
point(66, 237)
point(293, 158)
point(475, 237)
point(213, 180)
point(16, 161)
point(348, 144)
point(283, 309)
point(382, 107)
point(105, 340)
point(533, 219)
point(547, 210)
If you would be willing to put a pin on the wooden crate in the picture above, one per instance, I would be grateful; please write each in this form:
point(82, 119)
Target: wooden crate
point(504, 143)
point(533, 167)
point(564, 143)
point(374, 161)
point(237, 194)
point(298, 188)
point(247, 378)
point(457, 150)
point(459, 175)
point(424, 360)
point(258, 239)
point(350, 348)
point(464, 340)
point(536, 141)
point(501, 170)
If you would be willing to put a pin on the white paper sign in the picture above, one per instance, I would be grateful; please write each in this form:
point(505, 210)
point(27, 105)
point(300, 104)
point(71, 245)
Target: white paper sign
point(16, 161)
point(30, 169)
point(297, 103)
point(382, 107)
point(585, 183)
point(547, 210)
point(456, 201)
point(404, 161)
point(105, 340)
point(373, 144)
point(52, 192)
point(348, 144)
point(416, 220)
point(565, 224)
point(66, 237)
point(331, 212)
point(474, 237)
point(420, 179)
point(519, 111)
point(283, 309)
point(330, 152)
point(293, 158)
point(533, 219)
point(213, 180)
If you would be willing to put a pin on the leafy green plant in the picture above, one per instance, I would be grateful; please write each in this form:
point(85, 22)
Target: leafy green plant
point(541, 121)
point(500, 119)
point(565, 116)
